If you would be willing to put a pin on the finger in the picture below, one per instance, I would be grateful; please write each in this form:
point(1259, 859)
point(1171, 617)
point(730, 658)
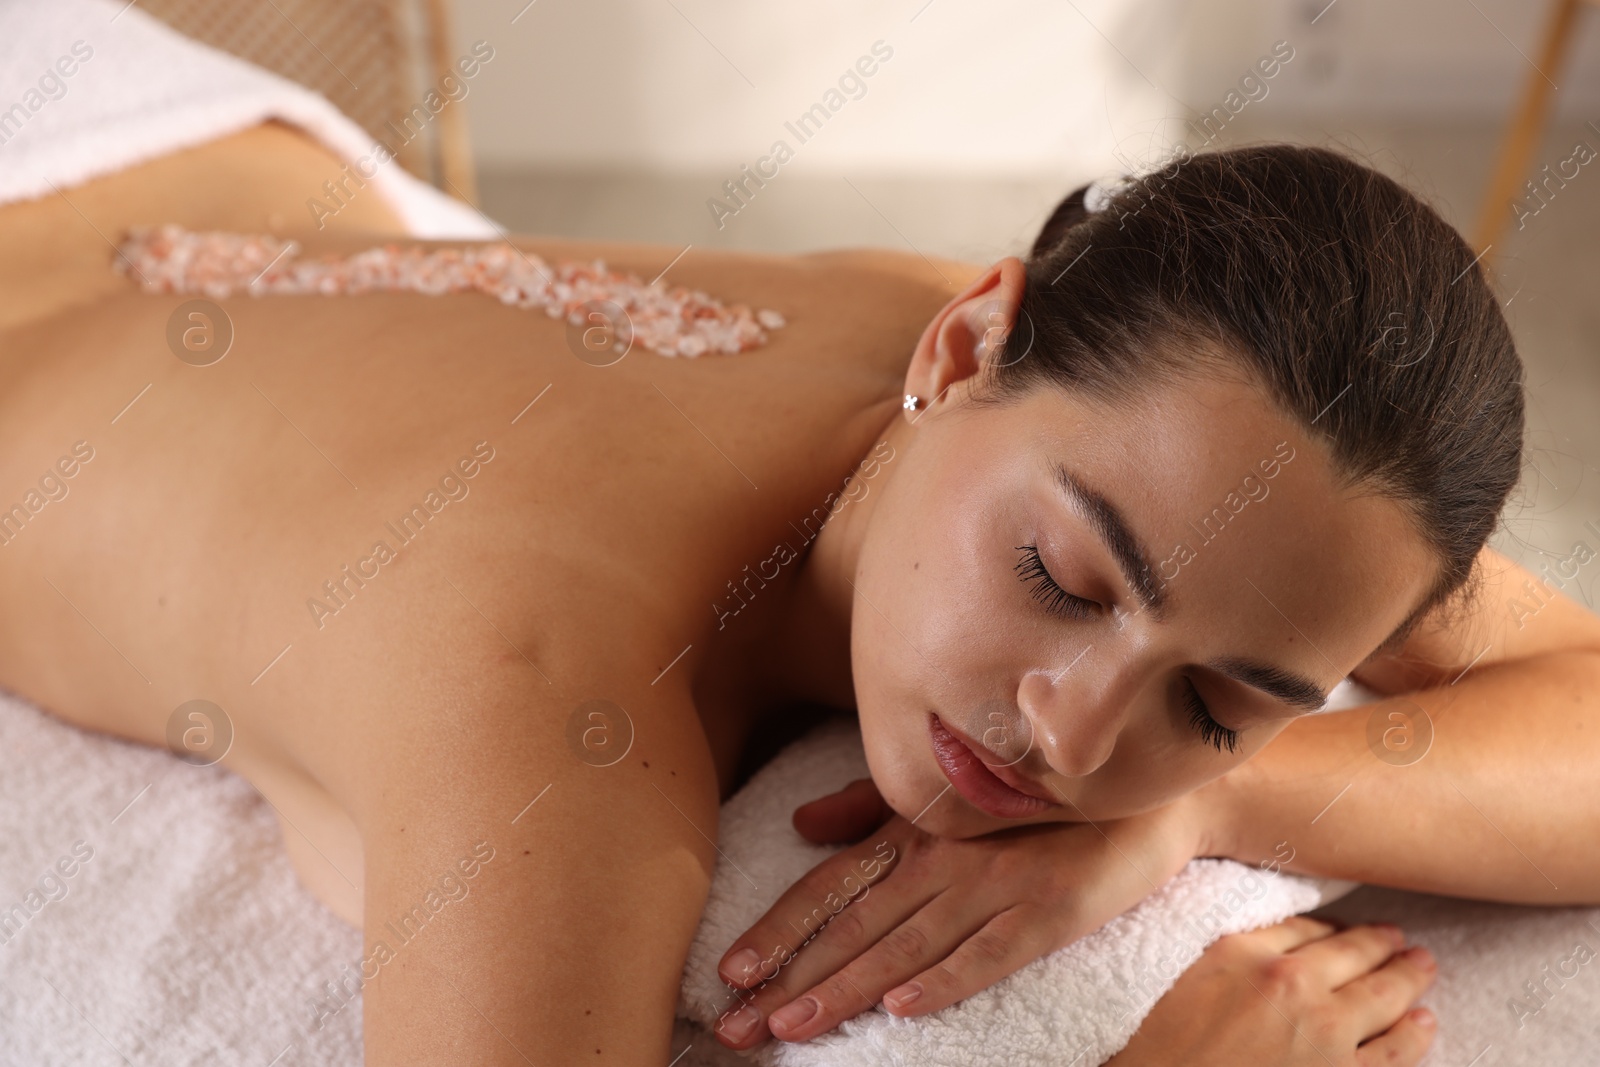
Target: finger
point(917, 944)
point(1376, 1001)
point(844, 817)
point(821, 950)
point(815, 963)
point(1292, 933)
point(1004, 945)
point(1349, 954)
point(759, 953)
point(1403, 1044)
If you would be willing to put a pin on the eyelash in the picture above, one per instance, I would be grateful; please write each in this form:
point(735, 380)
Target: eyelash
point(1043, 588)
point(1211, 731)
point(1056, 600)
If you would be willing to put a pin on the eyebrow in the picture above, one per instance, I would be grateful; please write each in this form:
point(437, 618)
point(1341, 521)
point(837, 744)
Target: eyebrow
point(1112, 529)
point(1292, 689)
point(1297, 691)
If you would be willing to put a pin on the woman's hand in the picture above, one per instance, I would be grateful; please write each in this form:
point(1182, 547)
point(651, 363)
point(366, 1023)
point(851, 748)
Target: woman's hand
point(919, 922)
point(1294, 995)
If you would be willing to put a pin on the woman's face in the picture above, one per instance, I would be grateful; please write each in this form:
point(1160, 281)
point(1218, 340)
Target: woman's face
point(1070, 611)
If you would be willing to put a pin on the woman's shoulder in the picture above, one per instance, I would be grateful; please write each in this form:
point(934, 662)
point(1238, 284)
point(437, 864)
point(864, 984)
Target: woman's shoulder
point(951, 275)
point(738, 272)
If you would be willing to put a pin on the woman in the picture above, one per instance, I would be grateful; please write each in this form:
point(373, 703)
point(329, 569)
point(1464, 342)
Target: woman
point(434, 722)
point(1360, 313)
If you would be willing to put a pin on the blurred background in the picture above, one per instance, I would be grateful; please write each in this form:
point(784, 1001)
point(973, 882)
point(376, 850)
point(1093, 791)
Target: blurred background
point(620, 118)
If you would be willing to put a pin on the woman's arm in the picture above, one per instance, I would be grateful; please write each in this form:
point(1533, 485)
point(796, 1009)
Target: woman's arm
point(530, 897)
point(1496, 803)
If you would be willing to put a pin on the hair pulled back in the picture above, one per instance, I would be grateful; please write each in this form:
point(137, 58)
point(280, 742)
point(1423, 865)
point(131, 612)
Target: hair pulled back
point(1356, 307)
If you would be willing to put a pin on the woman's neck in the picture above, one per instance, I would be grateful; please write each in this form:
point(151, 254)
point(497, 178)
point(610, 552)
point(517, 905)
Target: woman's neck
point(805, 656)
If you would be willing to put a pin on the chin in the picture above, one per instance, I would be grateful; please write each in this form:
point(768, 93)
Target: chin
point(952, 817)
point(904, 783)
point(909, 779)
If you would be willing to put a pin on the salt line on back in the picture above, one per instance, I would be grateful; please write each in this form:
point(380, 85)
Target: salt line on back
point(670, 321)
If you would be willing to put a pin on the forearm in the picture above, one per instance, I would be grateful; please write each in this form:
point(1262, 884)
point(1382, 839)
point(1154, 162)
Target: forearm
point(1504, 805)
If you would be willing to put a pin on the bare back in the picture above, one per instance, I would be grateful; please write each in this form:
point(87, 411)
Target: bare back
point(577, 523)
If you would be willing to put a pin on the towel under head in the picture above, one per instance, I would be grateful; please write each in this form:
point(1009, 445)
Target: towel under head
point(1077, 1006)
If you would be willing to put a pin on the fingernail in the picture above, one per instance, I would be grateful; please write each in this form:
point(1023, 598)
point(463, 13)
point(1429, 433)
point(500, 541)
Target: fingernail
point(738, 1025)
point(793, 1016)
point(743, 964)
point(1425, 1018)
point(1421, 957)
point(900, 996)
point(1394, 933)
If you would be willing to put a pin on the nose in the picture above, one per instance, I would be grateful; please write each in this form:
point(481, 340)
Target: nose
point(1074, 726)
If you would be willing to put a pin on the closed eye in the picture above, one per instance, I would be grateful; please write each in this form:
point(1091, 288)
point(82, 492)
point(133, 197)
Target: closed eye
point(1043, 588)
point(1210, 730)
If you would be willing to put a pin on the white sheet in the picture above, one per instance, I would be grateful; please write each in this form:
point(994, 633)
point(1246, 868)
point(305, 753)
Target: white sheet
point(186, 940)
point(137, 90)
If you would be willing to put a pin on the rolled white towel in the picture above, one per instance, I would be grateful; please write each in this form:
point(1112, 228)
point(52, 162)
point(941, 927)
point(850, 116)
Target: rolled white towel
point(1073, 1008)
point(91, 87)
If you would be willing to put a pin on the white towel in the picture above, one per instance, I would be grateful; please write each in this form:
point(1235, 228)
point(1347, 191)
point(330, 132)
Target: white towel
point(185, 940)
point(138, 90)
point(1077, 1006)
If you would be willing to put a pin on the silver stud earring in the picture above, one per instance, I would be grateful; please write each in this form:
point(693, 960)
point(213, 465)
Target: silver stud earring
point(912, 403)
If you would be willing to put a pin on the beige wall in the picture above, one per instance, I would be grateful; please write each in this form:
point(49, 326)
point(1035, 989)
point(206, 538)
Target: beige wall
point(631, 83)
point(998, 87)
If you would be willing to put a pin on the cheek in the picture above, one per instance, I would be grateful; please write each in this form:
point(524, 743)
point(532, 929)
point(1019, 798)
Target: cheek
point(1154, 767)
point(893, 663)
point(925, 603)
point(912, 634)
point(1141, 775)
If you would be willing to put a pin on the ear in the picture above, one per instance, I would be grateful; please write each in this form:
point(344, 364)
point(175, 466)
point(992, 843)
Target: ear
point(966, 333)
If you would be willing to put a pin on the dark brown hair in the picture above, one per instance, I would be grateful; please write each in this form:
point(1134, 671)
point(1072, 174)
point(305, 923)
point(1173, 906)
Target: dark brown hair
point(1358, 309)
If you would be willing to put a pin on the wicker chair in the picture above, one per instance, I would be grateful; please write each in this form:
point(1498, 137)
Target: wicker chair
point(1528, 125)
point(374, 59)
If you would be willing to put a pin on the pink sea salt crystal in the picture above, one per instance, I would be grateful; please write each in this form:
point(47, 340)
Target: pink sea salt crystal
point(669, 321)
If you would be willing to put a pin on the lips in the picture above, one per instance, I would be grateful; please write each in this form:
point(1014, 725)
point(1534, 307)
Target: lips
point(993, 790)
